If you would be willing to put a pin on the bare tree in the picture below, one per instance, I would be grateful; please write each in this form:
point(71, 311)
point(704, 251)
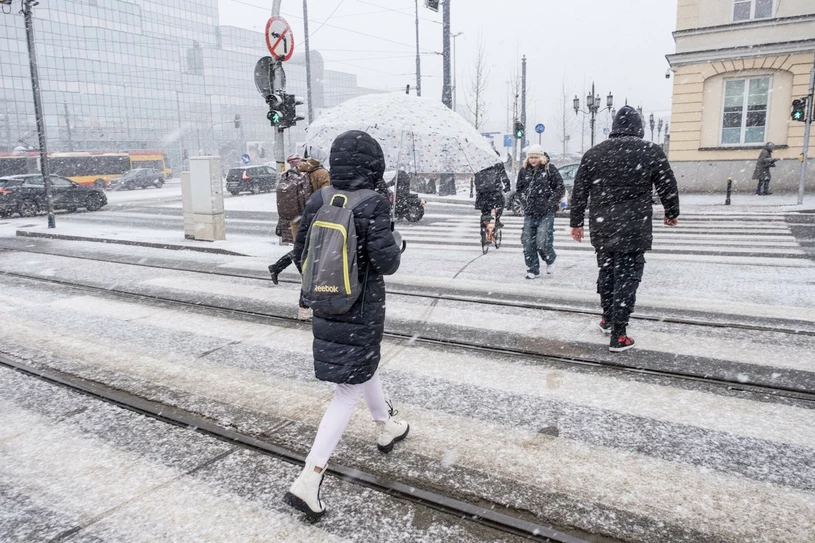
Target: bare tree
point(565, 120)
point(477, 92)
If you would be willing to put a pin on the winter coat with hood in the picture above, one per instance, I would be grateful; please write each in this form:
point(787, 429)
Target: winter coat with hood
point(541, 188)
point(319, 176)
point(347, 347)
point(489, 184)
point(765, 162)
point(617, 175)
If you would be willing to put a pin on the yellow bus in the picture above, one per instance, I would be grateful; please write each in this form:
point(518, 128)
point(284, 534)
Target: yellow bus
point(93, 168)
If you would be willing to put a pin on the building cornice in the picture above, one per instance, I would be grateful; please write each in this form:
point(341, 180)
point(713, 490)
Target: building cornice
point(755, 23)
point(741, 52)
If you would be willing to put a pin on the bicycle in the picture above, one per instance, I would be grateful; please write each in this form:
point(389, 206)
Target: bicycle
point(490, 235)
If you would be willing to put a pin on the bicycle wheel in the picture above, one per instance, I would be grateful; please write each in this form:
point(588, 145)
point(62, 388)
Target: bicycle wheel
point(497, 237)
point(485, 242)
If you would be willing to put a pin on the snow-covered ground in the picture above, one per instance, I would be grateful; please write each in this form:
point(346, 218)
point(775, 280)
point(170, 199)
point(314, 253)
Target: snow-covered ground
point(615, 453)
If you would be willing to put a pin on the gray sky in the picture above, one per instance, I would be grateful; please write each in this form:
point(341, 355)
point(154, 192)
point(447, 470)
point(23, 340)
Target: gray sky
point(620, 44)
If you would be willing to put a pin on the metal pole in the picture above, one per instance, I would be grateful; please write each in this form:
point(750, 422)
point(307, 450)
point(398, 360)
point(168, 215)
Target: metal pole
point(308, 64)
point(180, 133)
point(593, 114)
point(68, 127)
point(455, 85)
point(729, 191)
point(8, 133)
point(418, 57)
point(523, 95)
point(35, 88)
point(807, 130)
point(447, 91)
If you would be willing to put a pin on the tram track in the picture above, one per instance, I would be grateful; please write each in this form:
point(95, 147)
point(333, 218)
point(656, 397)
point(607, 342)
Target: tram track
point(494, 516)
point(417, 339)
point(439, 297)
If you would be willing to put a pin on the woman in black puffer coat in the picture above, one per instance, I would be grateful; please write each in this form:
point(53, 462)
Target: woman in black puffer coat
point(347, 347)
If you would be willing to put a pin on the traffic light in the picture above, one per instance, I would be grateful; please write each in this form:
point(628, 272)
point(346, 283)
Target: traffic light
point(520, 130)
point(290, 103)
point(799, 109)
point(275, 114)
point(237, 120)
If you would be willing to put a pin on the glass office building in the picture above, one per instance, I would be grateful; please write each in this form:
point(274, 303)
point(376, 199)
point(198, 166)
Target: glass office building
point(146, 74)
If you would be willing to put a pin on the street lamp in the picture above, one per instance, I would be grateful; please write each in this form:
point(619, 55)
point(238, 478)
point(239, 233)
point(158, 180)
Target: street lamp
point(659, 130)
point(593, 102)
point(652, 124)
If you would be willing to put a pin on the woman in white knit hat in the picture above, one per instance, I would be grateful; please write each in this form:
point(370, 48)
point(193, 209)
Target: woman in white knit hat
point(541, 186)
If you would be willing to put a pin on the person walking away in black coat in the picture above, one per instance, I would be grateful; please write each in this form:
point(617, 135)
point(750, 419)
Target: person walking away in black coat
point(490, 184)
point(347, 346)
point(541, 187)
point(617, 177)
point(762, 172)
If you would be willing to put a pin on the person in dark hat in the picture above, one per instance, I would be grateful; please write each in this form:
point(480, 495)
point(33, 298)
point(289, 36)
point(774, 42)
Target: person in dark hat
point(617, 176)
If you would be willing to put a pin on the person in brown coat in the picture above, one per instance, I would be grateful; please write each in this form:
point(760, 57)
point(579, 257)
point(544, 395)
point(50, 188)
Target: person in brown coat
point(319, 178)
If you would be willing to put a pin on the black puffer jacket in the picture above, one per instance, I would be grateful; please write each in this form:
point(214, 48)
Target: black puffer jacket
point(617, 175)
point(541, 189)
point(346, 347)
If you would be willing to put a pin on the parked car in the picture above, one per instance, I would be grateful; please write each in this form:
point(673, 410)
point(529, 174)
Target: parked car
point(25, 195)
point(138, 178)
point(254, 179)
point(568, 172)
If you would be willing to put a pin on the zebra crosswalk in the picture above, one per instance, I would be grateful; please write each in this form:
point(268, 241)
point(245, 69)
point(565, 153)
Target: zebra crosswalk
point(765, 239)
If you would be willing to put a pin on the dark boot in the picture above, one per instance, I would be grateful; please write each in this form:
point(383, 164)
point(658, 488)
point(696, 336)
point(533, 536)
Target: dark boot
point(278, 267)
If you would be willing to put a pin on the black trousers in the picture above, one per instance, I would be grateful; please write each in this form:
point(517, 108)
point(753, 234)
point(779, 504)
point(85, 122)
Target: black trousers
point(617, 283)
point(763, 186)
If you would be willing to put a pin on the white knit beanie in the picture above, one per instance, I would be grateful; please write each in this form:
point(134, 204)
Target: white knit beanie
point(535, 150)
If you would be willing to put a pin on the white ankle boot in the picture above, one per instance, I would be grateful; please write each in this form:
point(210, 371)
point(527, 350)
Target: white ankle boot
point(304, 494)
point(391, 432)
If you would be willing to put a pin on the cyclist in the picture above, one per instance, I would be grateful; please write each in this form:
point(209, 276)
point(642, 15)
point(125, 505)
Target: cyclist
point(489, 183)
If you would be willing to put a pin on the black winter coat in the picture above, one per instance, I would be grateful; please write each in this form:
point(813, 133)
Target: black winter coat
point(347, 347)
point(617, 175)
point(541, 189)
point(764, 163)
point(489, 184)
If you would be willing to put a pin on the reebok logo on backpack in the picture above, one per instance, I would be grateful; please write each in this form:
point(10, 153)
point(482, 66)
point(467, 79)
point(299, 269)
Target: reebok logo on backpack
point(330, 269)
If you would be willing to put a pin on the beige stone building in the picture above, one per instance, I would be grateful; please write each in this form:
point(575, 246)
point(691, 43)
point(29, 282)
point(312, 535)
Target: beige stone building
point(737, 67)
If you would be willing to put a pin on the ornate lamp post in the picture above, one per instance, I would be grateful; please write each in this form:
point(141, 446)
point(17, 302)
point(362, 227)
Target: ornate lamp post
point(593, 102)
point(652, 124)
point(659, 130)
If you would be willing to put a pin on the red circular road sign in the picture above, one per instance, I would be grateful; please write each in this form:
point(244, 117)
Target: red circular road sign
point(279, 39)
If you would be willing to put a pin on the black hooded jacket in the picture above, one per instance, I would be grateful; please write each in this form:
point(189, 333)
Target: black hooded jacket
point(617, 175)
point(346, 347)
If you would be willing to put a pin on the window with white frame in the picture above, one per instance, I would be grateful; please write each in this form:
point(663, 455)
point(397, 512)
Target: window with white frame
point(744, 118)
point(744, 10)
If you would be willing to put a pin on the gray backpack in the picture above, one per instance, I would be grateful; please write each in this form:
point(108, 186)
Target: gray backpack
point(330, 271)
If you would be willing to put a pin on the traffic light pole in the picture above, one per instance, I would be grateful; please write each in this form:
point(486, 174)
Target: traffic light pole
point(35, 87)
point(807, 130)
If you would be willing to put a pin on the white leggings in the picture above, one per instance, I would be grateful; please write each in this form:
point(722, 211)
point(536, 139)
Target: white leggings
point(339, 412)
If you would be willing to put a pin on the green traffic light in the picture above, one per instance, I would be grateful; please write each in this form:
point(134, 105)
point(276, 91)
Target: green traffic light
point(275, 117)
point(798, 115)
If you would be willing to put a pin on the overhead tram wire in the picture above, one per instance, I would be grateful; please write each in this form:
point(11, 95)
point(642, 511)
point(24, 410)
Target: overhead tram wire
point(393, 10)
point(292, 16)
point(327, 18)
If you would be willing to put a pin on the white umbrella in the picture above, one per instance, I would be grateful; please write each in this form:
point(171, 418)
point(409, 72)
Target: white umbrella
point(416, 134)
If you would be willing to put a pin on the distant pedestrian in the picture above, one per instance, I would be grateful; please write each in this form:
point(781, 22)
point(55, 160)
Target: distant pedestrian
point(762, 172)
point(347, 345)
point(540, 187)
point(617, 177)
point(490, 184)
point(293, 191)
